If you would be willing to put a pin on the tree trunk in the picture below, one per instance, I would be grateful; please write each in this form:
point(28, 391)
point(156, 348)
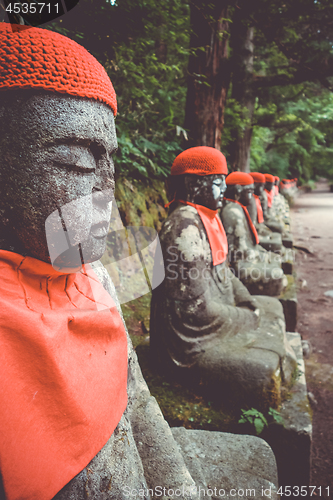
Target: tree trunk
point(208, 74)
point(242, 91)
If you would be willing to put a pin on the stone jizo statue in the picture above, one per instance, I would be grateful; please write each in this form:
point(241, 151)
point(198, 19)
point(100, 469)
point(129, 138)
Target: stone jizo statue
point(280, 206)
point(206, 328)
point(257, 268)
point(77, 419)
point(266, 199)
point(267, 238)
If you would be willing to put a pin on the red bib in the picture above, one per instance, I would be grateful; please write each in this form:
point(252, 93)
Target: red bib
point(270, 196)
point(63, 359)
point(260, 213)
point(249, 220)
point(215, 232)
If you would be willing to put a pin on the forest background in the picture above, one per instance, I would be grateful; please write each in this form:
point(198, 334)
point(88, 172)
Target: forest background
point(252, 78)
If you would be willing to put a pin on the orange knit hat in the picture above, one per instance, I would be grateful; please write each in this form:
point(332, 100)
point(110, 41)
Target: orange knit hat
point(201, 160)
point(41, 59)
point(269, 178)
point(241, 178)
point(277, 178)
point(258, 177)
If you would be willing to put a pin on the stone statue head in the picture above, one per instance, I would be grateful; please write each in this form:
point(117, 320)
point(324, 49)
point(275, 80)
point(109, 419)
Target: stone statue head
point(270, 181)
point(259, 188)
point(259, 182)
point(198, 176)
point(207, 190)
point(240, 187)
point(56, 144)
point(57, 159)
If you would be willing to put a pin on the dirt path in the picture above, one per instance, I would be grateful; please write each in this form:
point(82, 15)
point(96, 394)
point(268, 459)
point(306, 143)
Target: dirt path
point(312, 227)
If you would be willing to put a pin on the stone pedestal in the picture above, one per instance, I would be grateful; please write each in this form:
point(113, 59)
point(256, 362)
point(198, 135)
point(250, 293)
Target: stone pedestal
point(228, 465)
point(288, 299)
point(291, 443)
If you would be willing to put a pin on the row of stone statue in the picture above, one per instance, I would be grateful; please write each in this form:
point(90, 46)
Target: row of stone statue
point(207, 327)
point(77, 419)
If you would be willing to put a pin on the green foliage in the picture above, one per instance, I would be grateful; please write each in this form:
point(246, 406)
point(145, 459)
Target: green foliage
point(276, 416)
point(296, 139)
point(258, 420)
point(254, 417)
point(144, 46)
point(144, 49)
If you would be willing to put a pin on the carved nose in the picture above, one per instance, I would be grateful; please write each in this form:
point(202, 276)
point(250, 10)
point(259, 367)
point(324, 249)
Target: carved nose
point(102, 196)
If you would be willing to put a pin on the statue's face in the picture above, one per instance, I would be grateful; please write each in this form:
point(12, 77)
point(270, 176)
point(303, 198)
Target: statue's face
point(246, 194)
point(259, 188)
point(269, 186)
point(59, 171)
point(207, 190)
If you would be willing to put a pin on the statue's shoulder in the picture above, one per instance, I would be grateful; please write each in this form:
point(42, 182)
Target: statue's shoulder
point(232, 214)
point(184, 233)
point(182, 217)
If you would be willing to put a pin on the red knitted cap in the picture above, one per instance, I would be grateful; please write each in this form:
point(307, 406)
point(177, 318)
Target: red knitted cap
point(269, 177)
point(201, 160)
point(258, 177)
point(241, 178)
point(39, 58)
point(277, 178)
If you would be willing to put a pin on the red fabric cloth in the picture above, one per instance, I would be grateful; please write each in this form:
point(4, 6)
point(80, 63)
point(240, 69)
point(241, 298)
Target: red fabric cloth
point(241, 178)
point(260, 214)
point(258, 177)
point(39, 58)
point(270, 196)
point(201, 160)
point(215, 231)
point(63, 359)
point(249, 220)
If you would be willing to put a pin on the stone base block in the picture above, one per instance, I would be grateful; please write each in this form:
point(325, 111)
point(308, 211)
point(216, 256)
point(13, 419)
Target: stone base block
point(288, 299)
point(287, 240)
point(271, 242)
point(287, 266)
point(228, 465)
point(292, 442)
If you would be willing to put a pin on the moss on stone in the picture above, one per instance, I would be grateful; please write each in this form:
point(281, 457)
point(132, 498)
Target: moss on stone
point(272, 394)
point(289, 292)
point(182, 407)
point(141, 203)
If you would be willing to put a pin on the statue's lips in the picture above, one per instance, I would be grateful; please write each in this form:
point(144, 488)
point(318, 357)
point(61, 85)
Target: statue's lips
point(100, 230)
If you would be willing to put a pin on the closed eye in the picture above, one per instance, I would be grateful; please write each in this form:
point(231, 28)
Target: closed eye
point(76, 168)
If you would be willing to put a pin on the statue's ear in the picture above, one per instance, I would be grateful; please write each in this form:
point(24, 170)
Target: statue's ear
point(238, 189)
point(191, 187)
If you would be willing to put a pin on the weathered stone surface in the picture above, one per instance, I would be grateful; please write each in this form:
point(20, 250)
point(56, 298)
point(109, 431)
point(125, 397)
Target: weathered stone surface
point(65, 144)
point(291, 442)
point(267, 238)
point(60, 175)
point(259, 270)
point(270, 222)
point(236, 466)
point(288, 299)
point(203, 330)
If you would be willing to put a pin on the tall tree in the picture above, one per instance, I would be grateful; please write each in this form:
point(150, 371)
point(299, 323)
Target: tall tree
point(208, 72)
point(242, 35)
point(291, 42)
